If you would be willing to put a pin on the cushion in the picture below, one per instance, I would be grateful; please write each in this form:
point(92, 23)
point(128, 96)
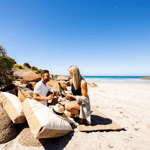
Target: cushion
point(13, 107)
point(22, 95)
point(43, 122)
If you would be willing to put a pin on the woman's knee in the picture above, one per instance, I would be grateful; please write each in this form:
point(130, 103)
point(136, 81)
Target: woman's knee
point(72, 105)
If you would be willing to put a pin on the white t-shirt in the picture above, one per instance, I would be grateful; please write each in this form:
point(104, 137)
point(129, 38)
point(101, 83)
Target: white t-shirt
point(41, 90)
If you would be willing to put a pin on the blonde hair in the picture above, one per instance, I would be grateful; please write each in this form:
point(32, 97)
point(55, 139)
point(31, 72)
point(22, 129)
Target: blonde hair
point(76, 76)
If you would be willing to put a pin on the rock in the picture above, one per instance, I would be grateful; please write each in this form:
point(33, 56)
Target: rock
point(93, 85)
point(23, 81)
point(33, 67)
point(63, 78)
point(67, 83)
point(7, 128)
point(148, 78)
point(51, 83)
point(31, 85)
point(8, 87)
point(27, 65)
point(53, 77)
point(16, 83)
point(56, 86)
point(27, 75)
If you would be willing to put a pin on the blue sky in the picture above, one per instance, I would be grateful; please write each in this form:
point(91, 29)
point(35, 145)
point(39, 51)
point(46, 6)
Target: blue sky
point(101, 37)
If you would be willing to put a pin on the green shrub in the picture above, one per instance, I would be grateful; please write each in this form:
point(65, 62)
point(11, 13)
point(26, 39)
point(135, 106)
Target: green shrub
point(17, 66)
point(40, 70)
point(6, 65)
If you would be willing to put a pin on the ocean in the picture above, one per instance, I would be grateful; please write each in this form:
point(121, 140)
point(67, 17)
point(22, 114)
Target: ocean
point(117, 79)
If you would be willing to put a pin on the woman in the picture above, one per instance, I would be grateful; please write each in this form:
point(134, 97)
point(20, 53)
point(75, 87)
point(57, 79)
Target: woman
point(81, 104)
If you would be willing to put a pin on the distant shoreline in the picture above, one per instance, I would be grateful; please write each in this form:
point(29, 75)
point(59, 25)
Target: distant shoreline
point(117, 79)
point(115, 76)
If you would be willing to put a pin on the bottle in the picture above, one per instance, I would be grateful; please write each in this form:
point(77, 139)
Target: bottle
point(61, 90)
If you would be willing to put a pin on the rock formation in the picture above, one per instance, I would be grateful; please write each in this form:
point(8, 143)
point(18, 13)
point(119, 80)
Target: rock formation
point(93, 85)
point(148, 78)
point(7, 128)
point(27, 65)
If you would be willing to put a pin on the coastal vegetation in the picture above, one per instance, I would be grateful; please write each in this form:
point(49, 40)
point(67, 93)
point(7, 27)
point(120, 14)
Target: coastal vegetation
point(6, 65)
point(18, 66)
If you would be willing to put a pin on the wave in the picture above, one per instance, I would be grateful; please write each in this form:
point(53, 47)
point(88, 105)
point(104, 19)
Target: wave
point(118, 80)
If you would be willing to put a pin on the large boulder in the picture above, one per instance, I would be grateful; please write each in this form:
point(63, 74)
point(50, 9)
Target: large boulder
point(23, 81)
point(148, 78)
point(63, 78)
point(51, 83)
point(17, 83)
point(93, 85)
point(56, 86)
point(27, 65)
point(53, 77)
point(67, 83)
point(27, 75)
point(33, 68)
point(7, 128)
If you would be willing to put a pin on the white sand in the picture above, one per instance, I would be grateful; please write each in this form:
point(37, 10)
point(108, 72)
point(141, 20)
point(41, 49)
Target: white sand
point(126, 104)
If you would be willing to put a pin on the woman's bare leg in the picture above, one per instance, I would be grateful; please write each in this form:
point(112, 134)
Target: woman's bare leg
point(68, 114)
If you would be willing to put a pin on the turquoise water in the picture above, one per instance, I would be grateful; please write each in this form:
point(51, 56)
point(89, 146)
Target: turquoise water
point(117, 79)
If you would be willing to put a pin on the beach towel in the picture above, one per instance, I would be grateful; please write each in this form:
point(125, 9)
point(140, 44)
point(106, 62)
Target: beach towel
point(99, 122)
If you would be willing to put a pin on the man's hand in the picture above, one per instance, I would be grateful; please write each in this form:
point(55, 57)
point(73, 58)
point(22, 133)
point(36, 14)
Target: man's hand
point(57, 93)
point(50, 97)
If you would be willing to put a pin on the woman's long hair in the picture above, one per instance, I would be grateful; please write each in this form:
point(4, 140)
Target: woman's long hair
point(76, 76)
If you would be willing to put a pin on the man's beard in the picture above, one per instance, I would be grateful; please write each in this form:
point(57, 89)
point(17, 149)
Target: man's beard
point(46, 80)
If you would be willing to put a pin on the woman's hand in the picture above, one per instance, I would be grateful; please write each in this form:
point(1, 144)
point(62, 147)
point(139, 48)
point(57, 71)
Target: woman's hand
point(68, 96)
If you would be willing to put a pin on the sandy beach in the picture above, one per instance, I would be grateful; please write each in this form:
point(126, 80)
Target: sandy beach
point(127, 104)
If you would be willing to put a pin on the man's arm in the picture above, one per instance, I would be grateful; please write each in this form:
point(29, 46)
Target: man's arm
point(41, 99)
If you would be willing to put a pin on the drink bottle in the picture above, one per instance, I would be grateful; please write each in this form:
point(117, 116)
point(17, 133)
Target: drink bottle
point(61, 90)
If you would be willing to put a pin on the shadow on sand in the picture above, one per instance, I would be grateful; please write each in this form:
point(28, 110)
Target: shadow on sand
point(97, 120)
point(57, 143)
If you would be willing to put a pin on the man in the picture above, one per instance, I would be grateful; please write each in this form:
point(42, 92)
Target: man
point(41, 89)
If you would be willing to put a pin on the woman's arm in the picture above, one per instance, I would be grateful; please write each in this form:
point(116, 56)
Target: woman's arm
point(84, 89)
